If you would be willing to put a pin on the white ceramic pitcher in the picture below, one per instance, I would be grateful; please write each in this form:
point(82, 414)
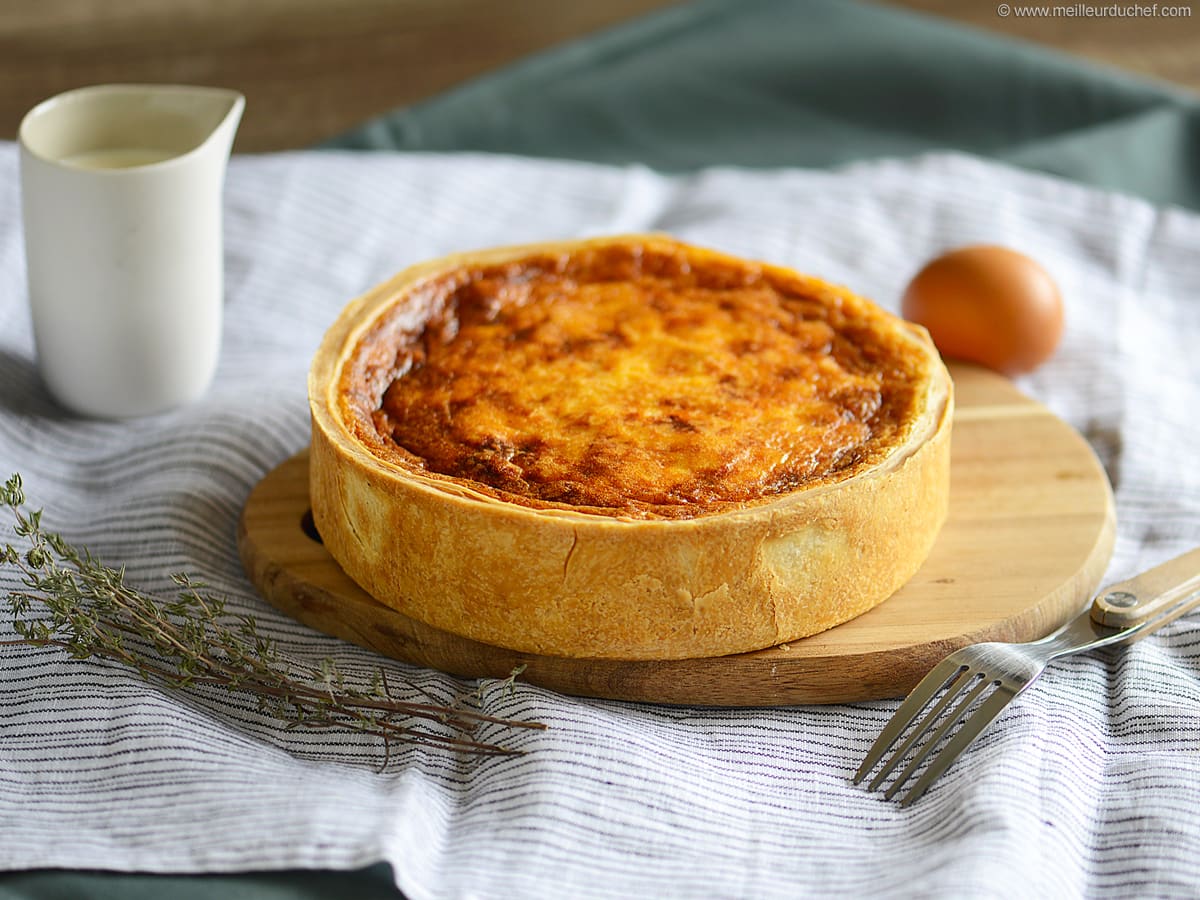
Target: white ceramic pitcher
point(121, 194)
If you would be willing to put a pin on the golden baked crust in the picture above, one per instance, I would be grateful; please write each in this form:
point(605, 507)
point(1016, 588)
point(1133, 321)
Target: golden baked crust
point(627, 448)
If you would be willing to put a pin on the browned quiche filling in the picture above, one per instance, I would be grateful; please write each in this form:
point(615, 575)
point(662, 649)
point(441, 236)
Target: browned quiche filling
point(631, 380)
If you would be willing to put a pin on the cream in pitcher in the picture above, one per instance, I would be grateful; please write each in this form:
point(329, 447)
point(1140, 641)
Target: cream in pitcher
point(121, 194)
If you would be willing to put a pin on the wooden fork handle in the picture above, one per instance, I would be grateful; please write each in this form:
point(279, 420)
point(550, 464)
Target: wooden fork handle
point(1167, 591)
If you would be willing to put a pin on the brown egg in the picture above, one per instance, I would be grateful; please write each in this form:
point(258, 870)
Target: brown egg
point(989, 305)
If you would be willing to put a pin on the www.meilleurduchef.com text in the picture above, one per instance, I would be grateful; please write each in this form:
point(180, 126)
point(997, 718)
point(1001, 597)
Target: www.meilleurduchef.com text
point(1094, 11)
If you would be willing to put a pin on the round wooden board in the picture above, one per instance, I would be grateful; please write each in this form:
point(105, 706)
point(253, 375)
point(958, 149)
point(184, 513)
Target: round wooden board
point(1027, 541)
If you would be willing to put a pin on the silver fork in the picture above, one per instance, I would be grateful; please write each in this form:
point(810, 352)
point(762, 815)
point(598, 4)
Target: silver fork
point(982, 679)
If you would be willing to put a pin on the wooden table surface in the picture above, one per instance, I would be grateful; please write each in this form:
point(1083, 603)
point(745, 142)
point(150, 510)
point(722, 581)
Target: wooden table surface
point(322, 66)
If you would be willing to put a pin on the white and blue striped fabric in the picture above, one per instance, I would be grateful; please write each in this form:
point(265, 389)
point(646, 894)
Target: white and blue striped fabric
point(1089, 785)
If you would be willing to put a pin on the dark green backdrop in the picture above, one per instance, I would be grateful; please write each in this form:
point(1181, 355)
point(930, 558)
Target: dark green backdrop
point(815, 83)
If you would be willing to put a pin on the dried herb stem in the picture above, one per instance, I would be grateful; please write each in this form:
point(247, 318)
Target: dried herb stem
point(69, 600)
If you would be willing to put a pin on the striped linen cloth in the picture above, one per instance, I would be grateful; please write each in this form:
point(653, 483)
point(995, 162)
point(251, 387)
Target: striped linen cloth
point(1090, 785)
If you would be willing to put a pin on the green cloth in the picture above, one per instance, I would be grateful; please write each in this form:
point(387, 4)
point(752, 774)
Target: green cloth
point(758, 83)
point(373, 883)
point(814, 83)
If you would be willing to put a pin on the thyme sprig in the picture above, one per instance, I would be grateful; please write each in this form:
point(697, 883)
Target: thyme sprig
point(72, 601)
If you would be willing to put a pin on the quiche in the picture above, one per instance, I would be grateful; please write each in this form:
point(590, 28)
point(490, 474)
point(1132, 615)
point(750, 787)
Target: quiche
point(626, 447)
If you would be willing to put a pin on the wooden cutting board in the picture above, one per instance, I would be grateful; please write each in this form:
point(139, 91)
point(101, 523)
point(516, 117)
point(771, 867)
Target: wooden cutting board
point(1029, 534)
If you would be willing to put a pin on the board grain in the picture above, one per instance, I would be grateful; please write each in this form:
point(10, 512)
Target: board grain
point(1029, 534)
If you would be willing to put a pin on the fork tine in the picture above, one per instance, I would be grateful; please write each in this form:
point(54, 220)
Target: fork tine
point(930, 745)
point(913, 705)
point(920, 728)
point(972, 728)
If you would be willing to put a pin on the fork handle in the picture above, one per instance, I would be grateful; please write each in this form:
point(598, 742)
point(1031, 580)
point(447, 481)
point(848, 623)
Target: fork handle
point(1166, 592)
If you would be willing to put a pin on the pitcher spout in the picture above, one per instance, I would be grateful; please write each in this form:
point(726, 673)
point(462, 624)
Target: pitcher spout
point(148, 122)
point(214, 112)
